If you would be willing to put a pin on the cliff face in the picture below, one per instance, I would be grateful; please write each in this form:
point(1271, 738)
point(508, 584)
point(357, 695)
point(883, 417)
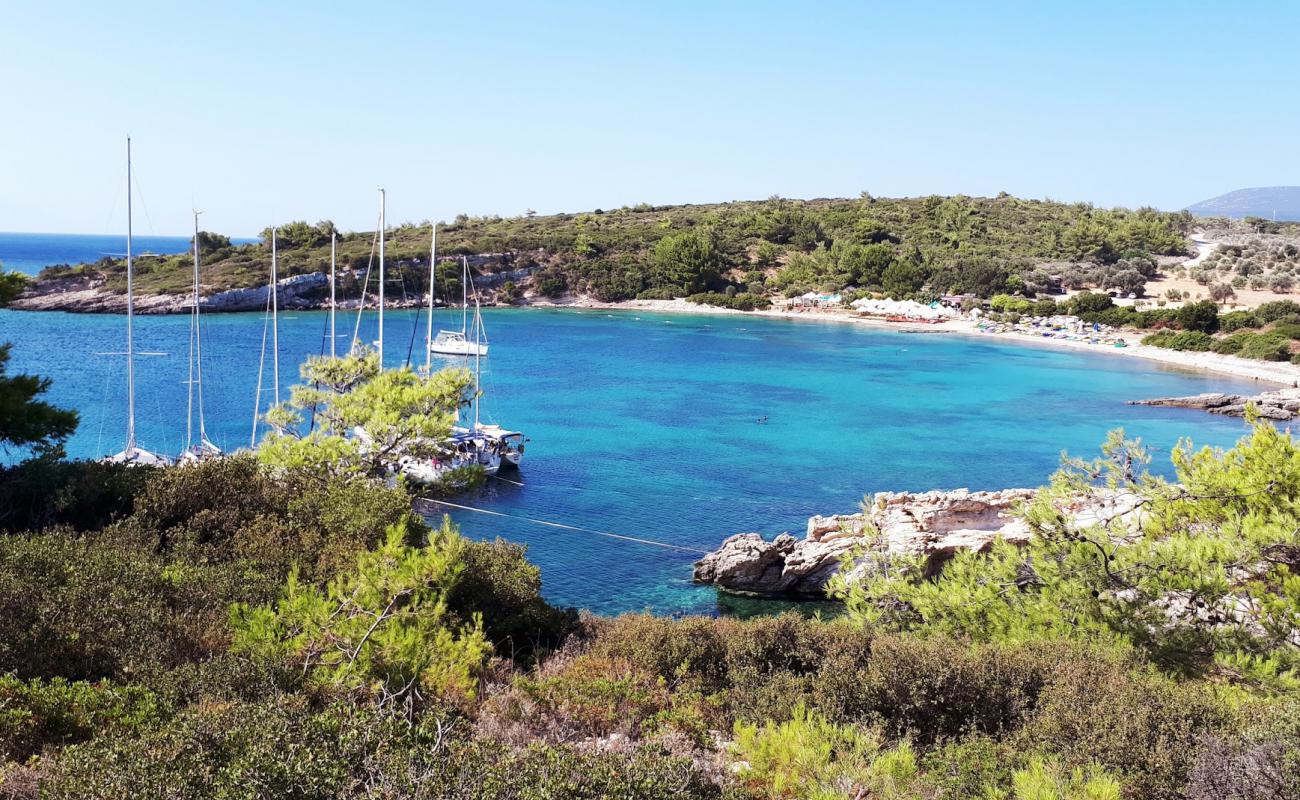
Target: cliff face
point(933, 525)
point(85, 294)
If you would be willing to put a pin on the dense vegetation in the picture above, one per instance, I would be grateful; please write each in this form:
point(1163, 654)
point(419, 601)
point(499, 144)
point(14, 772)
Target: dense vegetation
point(284, 625)
point(241, 633)
point(896, 246)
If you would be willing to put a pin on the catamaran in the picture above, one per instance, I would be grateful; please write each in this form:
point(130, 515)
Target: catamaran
point(131, 454)
point(201, 449)
point(457, 343)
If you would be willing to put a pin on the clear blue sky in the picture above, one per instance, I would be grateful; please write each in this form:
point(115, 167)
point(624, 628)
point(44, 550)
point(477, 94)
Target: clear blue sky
point(261, 112)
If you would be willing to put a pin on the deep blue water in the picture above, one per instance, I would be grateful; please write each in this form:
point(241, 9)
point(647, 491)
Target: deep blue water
point(31, 252)
point(645, 424)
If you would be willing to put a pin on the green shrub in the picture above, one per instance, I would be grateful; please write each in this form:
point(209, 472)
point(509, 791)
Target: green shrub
point(1275, 310)
point(1232, 344)
point(1136, 724)
point(1266, 347)
point(1202, 316)
point(84, 495)
point(1006, 302)
point(1088, 303)
point(1236, 320)
point(739, 302)
point(1183, 340)
point(38, 715)
point(383, 626)
point(659, 293)
point(502, 586)
point(808, 756)
point(1045, 307)
point(1289, 330)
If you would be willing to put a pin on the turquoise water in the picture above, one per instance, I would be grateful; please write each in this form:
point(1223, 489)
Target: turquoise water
point(645, 425)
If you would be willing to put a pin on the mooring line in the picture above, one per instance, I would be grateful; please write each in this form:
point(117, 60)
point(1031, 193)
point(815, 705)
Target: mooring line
point(580, 529)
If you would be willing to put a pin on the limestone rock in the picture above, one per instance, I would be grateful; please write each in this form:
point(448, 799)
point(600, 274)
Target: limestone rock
point(1280, 404)
point(930, 524)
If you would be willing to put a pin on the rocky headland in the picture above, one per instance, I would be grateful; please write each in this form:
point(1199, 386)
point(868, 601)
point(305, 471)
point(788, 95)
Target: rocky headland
point(1280, 404)
point(931, 525)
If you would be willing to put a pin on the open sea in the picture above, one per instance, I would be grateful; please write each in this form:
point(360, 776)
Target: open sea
point(29, 253)
point(647, 425)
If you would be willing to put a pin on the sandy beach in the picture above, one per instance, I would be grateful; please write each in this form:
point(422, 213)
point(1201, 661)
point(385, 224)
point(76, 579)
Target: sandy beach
point(1271, 372)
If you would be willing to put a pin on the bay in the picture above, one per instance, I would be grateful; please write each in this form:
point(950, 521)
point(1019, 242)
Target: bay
point(648, 425)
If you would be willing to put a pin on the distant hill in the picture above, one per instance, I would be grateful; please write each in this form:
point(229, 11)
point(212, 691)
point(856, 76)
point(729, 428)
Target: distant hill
point(1260, 202)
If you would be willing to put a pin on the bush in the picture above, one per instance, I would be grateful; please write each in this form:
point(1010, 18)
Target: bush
point(1139, 725)
point(1275, 310)
point(1088, 303)
point(36, 715)
point(83, 495)
point(1289, 330)
point(550, 282)
point(1261, 762)
point(1008, 303)
point(660, 293)
point(1232, 344)
point(1266, 347)
point(739, 302)
point(1235, 320)
point(1202, 316)
point(499, 583)
point(1184, 340)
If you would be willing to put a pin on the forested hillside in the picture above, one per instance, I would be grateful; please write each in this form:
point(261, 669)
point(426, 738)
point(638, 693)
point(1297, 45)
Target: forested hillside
point(773, 247)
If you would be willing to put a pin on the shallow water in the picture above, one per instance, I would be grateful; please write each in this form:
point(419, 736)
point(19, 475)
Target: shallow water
point(646, 425)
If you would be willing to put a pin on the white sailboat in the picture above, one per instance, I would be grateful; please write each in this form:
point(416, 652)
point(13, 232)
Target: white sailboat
point(457, 343)
point(131, 454)
point(201, 449)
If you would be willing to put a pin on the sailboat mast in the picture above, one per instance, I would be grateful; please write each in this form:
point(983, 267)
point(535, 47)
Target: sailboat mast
point(189, 385)
point(464, 297)
point(433, 277)
point(333, 253)
point(275, 319)
point(198, 335)
point(382, 231)
point(478, 352)
point(130, 317)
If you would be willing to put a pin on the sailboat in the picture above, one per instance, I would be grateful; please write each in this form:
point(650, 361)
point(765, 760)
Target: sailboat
point(131, 454)
point(201, 449)
point(498, 447)
point(457, 343)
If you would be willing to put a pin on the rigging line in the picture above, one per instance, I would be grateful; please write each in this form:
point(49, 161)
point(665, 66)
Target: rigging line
point(311, 425)
point(261, 365)
point(365, 284)
point(139, 190)
point(410, 348)
point(563, 526)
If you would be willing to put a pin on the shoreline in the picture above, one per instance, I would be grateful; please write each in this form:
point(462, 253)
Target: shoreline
point(1279, 373)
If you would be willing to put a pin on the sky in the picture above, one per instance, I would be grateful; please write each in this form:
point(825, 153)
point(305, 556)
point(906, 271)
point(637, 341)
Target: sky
point(263, 112)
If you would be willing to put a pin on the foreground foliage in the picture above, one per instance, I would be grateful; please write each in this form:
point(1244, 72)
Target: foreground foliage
point(230, 630)
point(1203, 574)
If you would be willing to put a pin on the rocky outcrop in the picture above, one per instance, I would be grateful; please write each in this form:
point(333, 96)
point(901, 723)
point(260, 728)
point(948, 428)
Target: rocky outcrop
point(1281, 404)
point(933, 525)
point(88, 294)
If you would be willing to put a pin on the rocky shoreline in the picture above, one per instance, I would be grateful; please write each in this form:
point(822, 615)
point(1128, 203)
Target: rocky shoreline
point(1282, 404)
point(88, 295)
point(932, 526)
